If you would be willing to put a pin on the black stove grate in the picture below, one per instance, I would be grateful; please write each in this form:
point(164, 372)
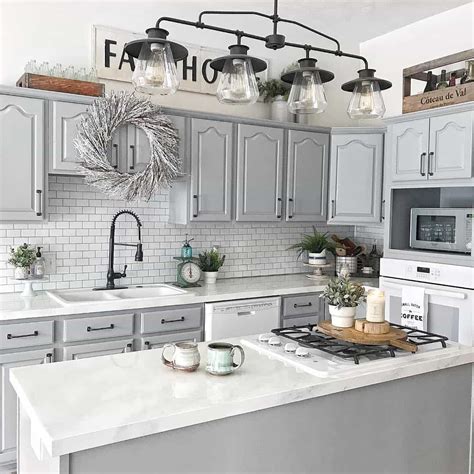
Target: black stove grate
point(308, 336)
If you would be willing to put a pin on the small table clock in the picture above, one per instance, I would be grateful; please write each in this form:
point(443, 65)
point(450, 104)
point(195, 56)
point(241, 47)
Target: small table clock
point(188, 273)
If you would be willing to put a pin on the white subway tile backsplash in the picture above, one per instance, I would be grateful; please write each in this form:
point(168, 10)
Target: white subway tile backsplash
point(77, 232)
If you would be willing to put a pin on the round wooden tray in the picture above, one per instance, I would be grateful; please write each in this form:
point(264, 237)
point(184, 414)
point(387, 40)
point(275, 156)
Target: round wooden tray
point(395, 337)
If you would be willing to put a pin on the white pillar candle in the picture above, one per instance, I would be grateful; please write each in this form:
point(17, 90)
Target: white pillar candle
point(375, 306)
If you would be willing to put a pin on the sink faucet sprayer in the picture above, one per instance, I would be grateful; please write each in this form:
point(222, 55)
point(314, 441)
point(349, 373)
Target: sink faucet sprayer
point(111, 274)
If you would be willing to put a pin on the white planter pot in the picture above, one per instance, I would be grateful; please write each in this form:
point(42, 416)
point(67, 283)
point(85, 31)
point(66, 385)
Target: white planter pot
point(342, 317)
point(21, 273)
point(279, 109)
point(210, 278)
point(317, 258)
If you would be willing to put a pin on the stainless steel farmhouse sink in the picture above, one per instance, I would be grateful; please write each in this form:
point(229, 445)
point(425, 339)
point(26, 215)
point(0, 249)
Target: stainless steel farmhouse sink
point(85, 295)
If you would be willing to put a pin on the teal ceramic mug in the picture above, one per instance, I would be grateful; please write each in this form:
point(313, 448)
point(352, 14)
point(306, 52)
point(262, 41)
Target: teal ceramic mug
point(220, 358)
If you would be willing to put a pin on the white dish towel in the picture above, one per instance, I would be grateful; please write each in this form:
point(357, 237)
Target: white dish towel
point(414, 308)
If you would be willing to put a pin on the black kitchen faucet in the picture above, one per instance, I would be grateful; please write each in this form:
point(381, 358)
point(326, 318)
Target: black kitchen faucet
point(112, 275)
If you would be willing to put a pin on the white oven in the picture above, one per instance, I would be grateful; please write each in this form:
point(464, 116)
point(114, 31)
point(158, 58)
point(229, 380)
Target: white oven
point(449, 290)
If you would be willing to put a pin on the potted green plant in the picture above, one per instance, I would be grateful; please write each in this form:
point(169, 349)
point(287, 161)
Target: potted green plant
point(316, 245)
point(22, 258)
point(276, 92)
point(343, 297)
point(209, 263)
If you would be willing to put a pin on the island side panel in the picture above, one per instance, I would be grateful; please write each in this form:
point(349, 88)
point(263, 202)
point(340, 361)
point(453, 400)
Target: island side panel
point(418, 424)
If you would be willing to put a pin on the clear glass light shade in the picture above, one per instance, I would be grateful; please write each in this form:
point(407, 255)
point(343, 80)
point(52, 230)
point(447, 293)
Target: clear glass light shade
point(366, 101)
point(238, 83)
point(307, 94)
point(155, 70)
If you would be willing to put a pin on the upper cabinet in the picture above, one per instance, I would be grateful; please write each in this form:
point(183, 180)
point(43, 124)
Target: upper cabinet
point(435, 148)
point(355, 190)
point(22, 177)
point(64, 119)
point(211, 170)
point(307, 176)
point(259, 174)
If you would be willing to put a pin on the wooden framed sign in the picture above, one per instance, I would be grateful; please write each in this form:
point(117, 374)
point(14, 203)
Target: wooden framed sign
point(438, 98)
point(114, 64)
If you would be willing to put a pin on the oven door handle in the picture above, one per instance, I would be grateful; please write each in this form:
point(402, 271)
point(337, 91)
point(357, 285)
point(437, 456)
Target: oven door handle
point(445, 294)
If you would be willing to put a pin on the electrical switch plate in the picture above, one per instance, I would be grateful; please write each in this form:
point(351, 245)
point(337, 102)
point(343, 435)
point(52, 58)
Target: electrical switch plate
point(50, 262)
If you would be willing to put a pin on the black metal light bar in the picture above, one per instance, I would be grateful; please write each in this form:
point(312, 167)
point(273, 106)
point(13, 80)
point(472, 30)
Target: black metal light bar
point(273, 41)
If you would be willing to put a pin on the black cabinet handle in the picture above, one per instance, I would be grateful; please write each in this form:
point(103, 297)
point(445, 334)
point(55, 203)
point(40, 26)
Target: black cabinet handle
point(180, 320)
point(422, 164)
point(279, 203)
point(116, 148)
point(291, 209)
point(33, 334)
point(296, 305)
point(89, 329)
point(383, 210)
point(196, 204)
point(132, 165)
point(333, 208)
point(430, 163)
point(39, 193)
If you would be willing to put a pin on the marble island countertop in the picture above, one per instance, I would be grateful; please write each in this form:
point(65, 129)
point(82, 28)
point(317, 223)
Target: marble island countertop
point(13, 306)
point(87, 403)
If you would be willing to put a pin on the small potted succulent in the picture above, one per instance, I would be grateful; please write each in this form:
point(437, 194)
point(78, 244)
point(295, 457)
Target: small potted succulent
point(343, 296)
point(316, 245)
point(209, 263)
point(22, 258)
point(276, 92)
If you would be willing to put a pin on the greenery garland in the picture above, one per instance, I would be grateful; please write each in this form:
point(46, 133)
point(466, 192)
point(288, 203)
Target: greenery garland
point(95, 132)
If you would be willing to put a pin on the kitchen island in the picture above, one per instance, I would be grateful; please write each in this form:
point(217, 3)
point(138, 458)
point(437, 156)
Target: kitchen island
point(129, 413)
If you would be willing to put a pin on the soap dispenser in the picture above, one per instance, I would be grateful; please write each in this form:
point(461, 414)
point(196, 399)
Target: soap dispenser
point(186, 249)
point(39, 267)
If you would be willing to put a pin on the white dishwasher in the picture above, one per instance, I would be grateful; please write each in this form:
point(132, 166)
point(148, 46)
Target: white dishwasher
point(241, 317)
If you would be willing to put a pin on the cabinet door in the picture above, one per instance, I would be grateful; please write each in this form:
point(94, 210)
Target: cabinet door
point(450, 155)
point(21, 158)
point(155, 342)
point(356, 178)
point(8, 398)
point(259, 173)
point(85, 351)
point(211, 173)
point(307, 176)
point(409, 150)
point(64, 119)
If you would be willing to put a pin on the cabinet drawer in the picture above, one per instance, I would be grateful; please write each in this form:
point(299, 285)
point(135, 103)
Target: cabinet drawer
point(301, 321)
point(300, 305)
point(101, 327)
point(13, 336)
point(175, 319)
point(155, 342)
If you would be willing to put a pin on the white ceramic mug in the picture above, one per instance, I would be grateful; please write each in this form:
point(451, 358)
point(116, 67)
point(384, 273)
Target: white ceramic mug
point(185, 356)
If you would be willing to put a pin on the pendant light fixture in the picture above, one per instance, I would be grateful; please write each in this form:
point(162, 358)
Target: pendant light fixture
point(238, 82)
point(155, 68)
point(307, 94)
point(156, 58)
point(366, 101)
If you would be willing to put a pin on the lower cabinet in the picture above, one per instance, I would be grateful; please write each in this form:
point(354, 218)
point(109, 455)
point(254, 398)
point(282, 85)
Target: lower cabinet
point(8, 399)
point(303, 309)
point(155, 342)
point(84, 351)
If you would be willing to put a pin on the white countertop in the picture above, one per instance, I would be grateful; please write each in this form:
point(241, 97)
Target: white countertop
point(13, 306)
point(87, 403)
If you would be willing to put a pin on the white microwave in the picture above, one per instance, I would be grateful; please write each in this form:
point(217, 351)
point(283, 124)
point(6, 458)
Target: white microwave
point(446, 230)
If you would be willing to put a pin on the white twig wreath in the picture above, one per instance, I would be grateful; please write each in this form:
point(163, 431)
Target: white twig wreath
point(95, 131)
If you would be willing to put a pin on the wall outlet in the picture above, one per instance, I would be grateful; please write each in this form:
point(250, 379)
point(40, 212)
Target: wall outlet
point(50, 262)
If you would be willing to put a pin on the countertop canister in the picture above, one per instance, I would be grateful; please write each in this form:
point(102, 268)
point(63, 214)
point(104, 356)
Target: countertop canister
point(375, 306)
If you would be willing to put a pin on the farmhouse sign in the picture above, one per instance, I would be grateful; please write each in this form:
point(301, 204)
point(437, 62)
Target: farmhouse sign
point(113, 63)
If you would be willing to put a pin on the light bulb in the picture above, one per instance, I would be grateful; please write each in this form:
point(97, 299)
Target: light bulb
point(155, 70)
point(238, 83)
point(307, 94)
point(366, 101)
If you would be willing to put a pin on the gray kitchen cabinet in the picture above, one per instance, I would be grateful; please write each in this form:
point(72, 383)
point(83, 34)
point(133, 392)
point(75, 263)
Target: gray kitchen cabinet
point(450, 155)
point(22, 183)
point(356, 168)
point(8, 399)
point(211, 170)
point(63, 122)
point(259, 173)
point(307, 176)
point(157, 341)
point(409, 150)
point(97, 349)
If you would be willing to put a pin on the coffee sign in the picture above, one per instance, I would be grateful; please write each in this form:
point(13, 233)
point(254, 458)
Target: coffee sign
point(113, 63)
